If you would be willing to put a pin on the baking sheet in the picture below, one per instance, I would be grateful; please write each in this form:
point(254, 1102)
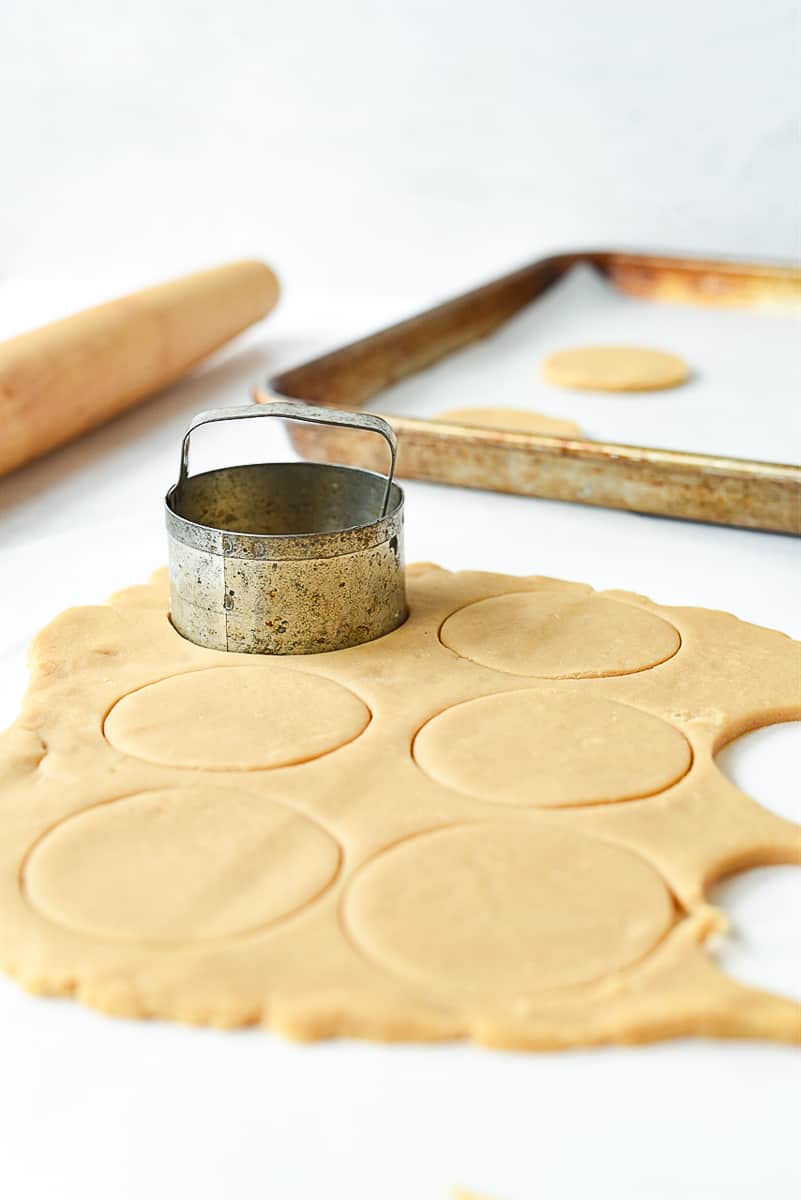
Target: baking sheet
point(741, 400)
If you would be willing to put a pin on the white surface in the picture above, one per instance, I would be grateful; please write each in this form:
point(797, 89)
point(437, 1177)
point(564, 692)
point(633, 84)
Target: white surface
point(383, 156)
point(86, 1102)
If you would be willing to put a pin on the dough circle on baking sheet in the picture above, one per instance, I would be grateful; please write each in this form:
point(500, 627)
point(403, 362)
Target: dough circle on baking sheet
point(615, 369)
point(507, 907)
point(236, 719)
point(557, 636)
point(520, 420)
point(551, 751)
point(179, 865)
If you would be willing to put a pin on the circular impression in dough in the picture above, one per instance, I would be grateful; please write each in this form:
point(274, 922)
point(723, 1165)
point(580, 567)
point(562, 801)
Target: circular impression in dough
point(507, 908)
point(555, 635)
point(551, 751)
point(615, 369)
point(236, 719)
point(179, 865)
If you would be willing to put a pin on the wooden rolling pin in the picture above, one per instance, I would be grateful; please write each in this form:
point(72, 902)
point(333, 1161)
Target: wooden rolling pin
point(58, 381)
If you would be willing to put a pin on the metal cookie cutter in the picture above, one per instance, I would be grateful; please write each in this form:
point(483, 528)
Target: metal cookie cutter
point(286, 558)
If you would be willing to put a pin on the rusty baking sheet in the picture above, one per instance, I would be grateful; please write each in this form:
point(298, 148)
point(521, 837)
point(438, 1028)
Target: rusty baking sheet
point(675, 483)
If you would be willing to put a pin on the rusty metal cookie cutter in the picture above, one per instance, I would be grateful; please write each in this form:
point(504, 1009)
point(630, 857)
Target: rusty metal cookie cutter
point(286, 558)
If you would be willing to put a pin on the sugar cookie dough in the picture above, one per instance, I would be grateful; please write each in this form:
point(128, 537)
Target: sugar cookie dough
point(520, 420)
point(499, 822)
point(614, 369)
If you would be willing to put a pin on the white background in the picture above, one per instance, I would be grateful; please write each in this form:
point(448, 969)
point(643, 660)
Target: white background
point(380, 156)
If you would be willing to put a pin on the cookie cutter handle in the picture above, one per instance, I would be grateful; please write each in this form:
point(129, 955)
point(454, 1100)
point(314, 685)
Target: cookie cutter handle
point(296, 410)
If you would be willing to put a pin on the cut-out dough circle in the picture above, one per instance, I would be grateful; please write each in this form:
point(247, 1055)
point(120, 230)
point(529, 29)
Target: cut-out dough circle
point(614, 369)
point(236, 719)
point(557, 636)
point(519, 420)
point(548, 751)
point(179, 865)
point(507, 908)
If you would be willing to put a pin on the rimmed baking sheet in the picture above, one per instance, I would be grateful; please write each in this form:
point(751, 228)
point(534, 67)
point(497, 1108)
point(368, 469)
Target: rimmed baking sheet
point(742, 398)
point(644, 474)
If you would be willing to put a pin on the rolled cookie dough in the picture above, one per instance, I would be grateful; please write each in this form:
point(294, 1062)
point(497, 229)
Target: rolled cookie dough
point(498, 822)
point(518, 420)
point(614, 369)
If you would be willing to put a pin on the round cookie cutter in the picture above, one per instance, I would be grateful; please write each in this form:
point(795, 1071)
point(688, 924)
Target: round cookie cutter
point(286, 558)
